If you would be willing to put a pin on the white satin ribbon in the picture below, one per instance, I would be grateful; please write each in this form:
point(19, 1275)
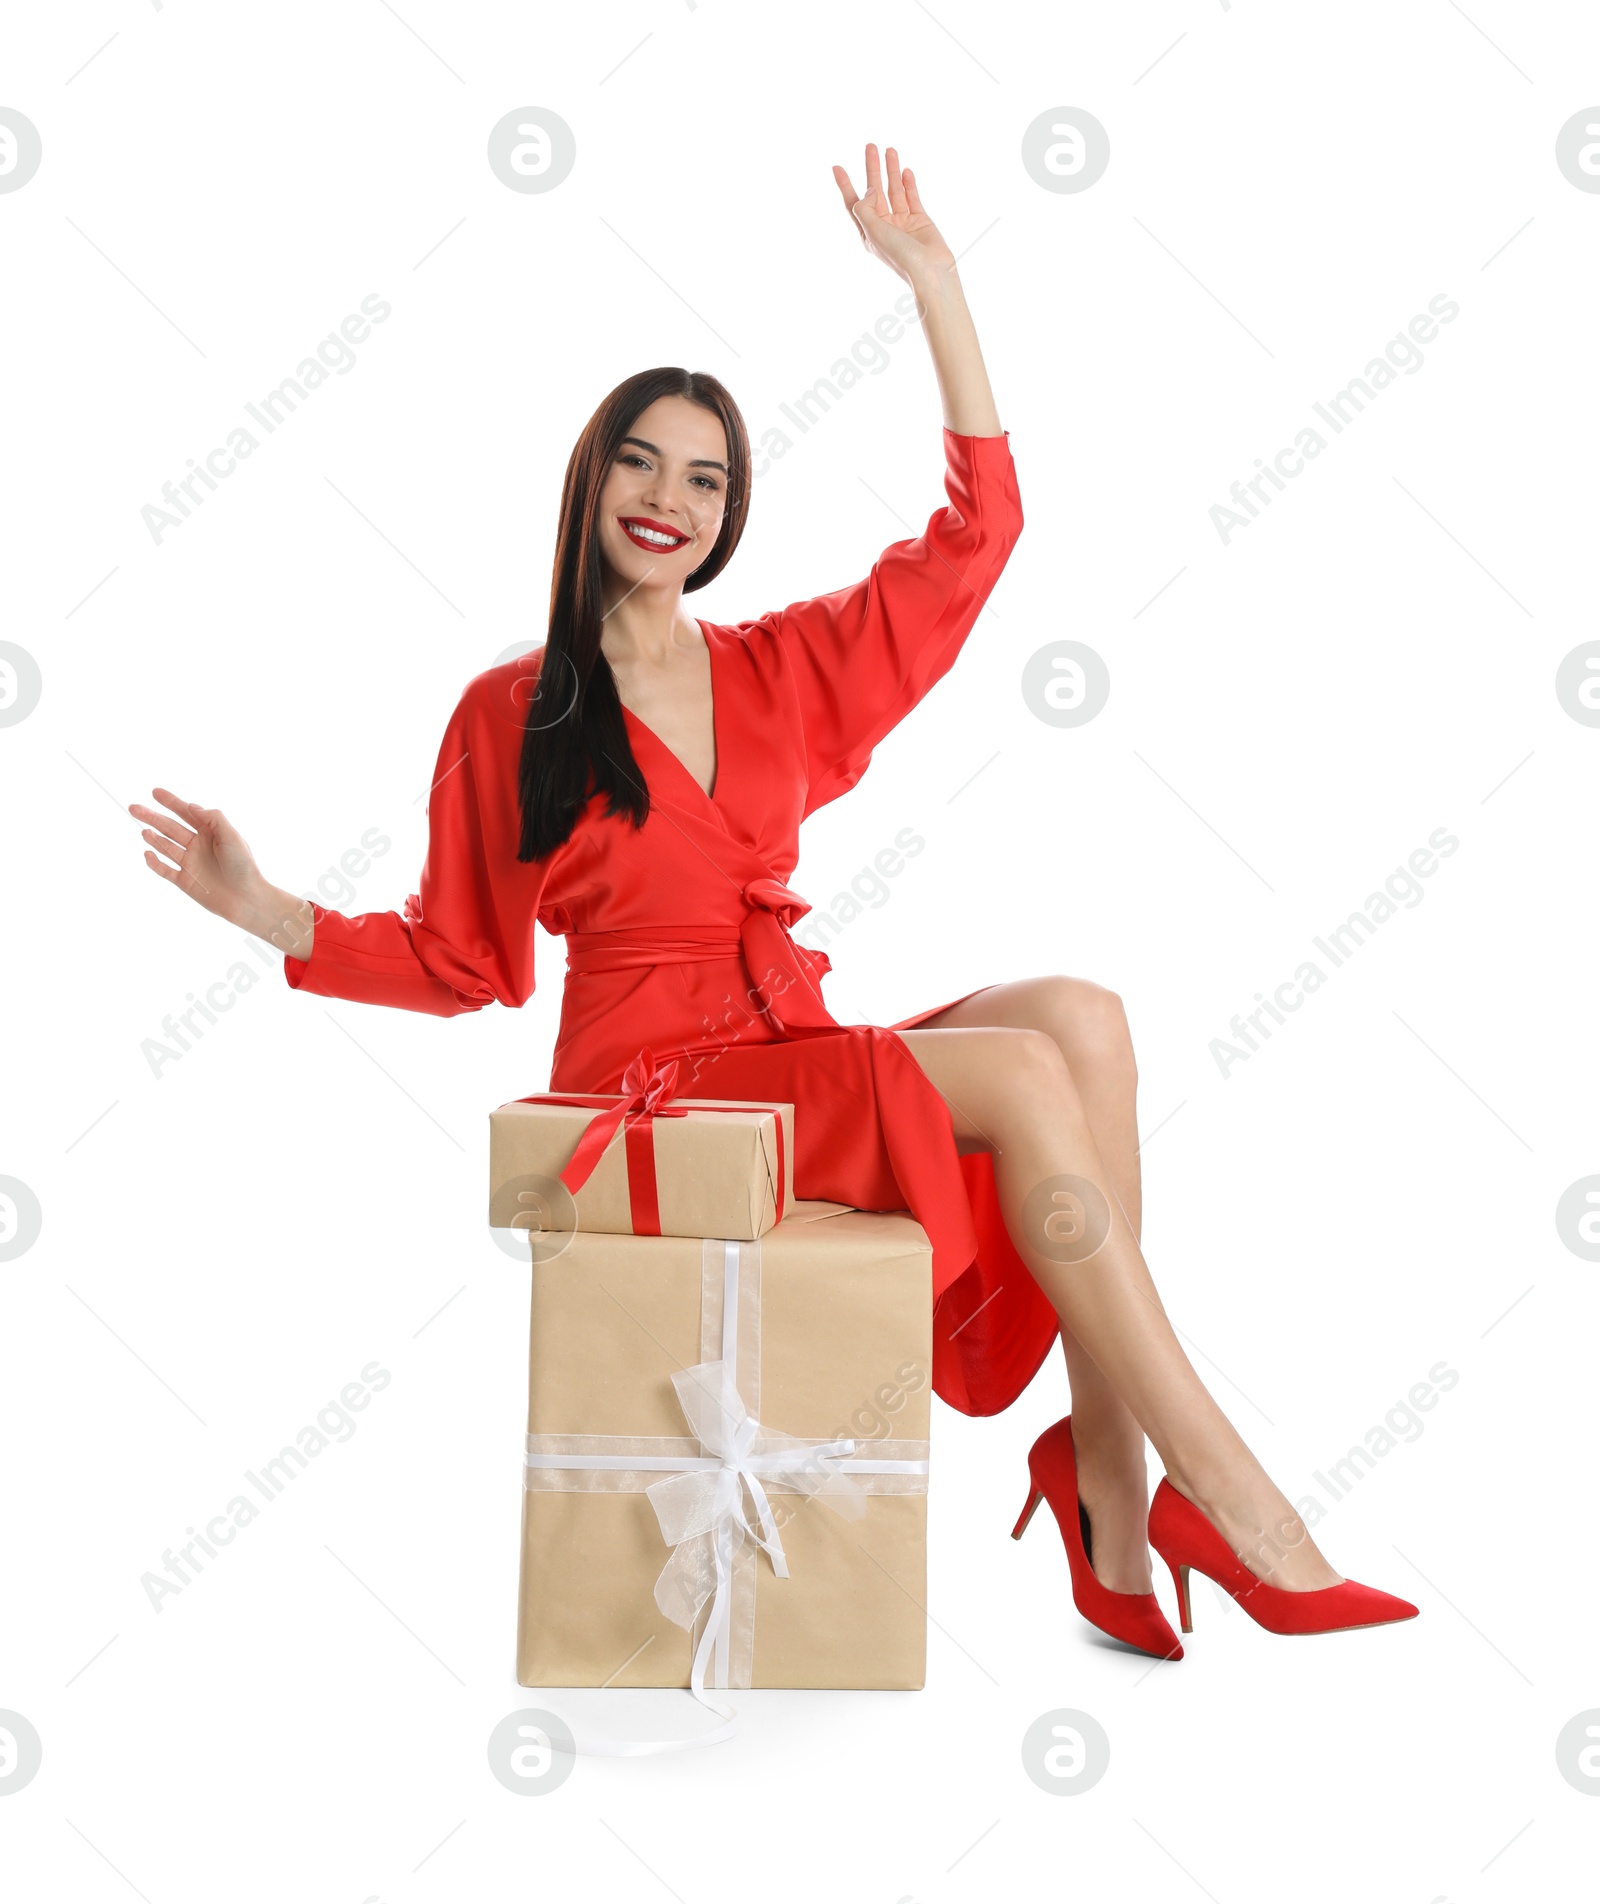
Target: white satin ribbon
point(702, 1510)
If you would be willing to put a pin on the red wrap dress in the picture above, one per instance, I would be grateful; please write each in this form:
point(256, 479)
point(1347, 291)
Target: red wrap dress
point(678, 933)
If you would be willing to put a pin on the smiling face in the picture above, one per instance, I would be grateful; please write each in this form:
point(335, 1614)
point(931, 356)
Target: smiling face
point(663, 500)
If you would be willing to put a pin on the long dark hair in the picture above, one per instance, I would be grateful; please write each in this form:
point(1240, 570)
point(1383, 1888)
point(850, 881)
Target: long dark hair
point(576, 744)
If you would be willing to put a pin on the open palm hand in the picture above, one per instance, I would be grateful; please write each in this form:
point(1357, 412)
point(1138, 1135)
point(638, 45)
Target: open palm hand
point(892, 222)
point(201, 852)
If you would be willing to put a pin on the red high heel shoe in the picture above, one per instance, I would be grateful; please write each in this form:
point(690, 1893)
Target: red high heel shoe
point(1184, 1538)
point(1135, 1618)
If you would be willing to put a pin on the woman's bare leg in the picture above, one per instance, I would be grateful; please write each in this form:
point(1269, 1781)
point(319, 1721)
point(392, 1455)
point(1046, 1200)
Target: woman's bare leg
point(1010, 1091)
point(1088, 1025)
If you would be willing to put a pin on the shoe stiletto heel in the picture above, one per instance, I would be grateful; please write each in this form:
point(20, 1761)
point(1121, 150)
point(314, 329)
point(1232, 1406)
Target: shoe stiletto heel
point(1134, 1618)
point(1180, 1586)
point(1186, 1539)
point(1034, 1498)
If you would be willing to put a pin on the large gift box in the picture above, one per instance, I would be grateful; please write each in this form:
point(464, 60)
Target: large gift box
point(725, 1477)
point(644, 1163)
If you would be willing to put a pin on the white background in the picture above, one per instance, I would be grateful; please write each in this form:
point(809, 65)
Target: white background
point(225, 1245)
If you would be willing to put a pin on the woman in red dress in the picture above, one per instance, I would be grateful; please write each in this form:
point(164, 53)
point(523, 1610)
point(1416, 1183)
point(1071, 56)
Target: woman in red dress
point(637, 785)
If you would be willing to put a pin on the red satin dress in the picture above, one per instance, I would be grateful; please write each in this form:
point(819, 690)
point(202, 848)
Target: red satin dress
point(678, 933)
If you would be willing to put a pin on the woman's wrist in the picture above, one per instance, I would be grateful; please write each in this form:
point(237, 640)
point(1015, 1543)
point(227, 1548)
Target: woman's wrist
point(283, 919)
point(937, 289)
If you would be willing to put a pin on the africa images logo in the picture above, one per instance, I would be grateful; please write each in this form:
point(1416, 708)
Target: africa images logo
point(1401, 890)
point(1402, 355)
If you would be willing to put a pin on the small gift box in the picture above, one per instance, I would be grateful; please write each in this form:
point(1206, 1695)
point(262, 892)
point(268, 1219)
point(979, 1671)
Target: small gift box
point(726, 1467)
point(642, 1164)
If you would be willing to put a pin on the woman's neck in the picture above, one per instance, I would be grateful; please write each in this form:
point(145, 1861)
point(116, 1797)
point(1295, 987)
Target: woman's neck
point(647, 628)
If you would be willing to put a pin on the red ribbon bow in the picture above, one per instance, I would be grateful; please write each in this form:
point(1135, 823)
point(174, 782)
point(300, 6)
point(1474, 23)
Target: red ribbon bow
point(647, 1088)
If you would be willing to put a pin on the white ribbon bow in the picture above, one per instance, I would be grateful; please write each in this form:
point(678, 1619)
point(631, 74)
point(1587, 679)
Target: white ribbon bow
point(702, 1509)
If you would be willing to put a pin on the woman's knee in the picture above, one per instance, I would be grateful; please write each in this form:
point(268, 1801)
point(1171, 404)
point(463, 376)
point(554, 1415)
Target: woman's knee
point(995, 1078)
point(1031, 1074)
point(1089, 1024)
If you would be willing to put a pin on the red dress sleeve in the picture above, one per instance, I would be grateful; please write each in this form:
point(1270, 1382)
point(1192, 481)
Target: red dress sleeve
point(863, 657)
point(465, 937)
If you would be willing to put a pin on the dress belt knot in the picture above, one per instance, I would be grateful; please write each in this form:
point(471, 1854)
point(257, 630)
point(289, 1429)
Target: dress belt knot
point(771, 895)
point(783, 977)
point(783, 983)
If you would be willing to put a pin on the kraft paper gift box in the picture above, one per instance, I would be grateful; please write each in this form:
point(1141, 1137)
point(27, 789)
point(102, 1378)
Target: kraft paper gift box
point(724, 1168)
point(830, 1320)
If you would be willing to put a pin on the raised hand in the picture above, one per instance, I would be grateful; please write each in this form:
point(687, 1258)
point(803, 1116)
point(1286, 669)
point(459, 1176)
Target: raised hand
point(892, 223)
point(201, 852)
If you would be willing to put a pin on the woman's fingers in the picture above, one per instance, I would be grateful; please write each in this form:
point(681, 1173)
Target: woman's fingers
point(180, 834)
point(162, 844)
point(847, 192)
point(180, 853)
point(892, 199)
point(897, 196)
point(860, 210)
point(888, 197)
point(874, 177)
point(185, 809)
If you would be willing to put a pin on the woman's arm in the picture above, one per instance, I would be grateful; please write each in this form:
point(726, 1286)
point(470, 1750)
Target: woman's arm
point(895, 228)
point(463, 940)
point(859, 659)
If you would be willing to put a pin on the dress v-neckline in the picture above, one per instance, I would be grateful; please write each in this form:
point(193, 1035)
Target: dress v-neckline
point(716, 729)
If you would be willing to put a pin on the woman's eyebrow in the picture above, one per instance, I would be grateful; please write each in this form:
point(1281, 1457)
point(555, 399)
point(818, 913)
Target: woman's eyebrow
point(695, 462)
